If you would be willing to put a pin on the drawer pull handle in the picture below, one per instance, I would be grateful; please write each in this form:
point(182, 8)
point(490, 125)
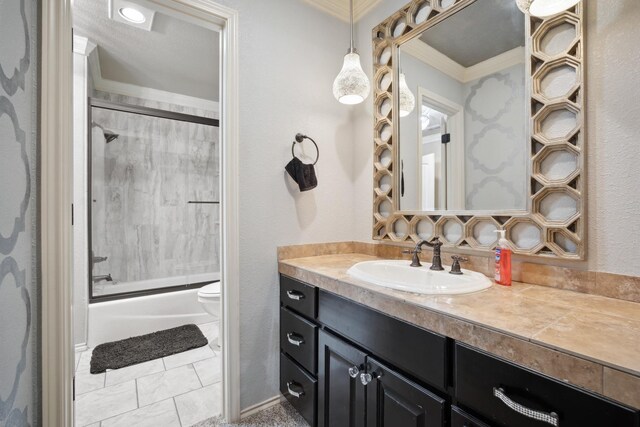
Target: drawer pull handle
point(549, 418)
point(297, 394)
point(295, 295)
point(295, 339)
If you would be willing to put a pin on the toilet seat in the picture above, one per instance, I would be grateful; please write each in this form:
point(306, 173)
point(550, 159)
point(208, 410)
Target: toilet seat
point(209, 291)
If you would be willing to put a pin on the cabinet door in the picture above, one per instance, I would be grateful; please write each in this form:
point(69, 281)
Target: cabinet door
point(393, 400)
point(341, 398)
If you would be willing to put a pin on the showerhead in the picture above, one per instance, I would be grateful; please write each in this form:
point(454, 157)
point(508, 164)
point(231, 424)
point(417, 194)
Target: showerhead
point(110, 136)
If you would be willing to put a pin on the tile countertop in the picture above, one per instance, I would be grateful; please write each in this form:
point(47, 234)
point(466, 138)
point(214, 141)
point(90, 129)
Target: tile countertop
point(590, 341)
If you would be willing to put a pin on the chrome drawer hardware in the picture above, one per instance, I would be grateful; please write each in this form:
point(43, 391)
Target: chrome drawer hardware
point(296, 296)
point(294, 393)
point(549, 418)
point(294, 339)
point(354, 371)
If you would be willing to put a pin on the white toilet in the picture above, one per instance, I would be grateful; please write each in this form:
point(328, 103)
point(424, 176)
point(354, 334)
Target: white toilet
point(209, 298)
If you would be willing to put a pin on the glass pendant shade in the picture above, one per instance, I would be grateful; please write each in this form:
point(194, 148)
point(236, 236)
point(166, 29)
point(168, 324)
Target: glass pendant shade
point(523, 5)
point(407, 100)
point(546, 8)
point(352, 85)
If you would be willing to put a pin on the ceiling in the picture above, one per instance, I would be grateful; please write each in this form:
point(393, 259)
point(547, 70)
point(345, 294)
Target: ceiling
point(340, 8)
point(479, 32)
point(175, 56)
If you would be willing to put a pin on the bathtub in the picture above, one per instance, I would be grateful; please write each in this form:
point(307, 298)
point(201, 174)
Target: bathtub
point(124, 318)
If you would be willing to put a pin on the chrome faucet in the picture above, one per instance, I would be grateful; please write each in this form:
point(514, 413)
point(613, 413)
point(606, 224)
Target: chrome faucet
point(436, 262)
point(102, 277)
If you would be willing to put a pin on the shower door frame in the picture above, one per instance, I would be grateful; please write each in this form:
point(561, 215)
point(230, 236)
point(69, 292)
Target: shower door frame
point(56, 166)
point(144, 111)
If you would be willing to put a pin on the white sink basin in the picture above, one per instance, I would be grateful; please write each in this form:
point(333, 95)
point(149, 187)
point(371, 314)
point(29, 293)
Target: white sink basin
point(398, 274)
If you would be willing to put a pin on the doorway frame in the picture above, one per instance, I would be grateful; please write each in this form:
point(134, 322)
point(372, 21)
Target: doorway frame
point(56, 187)
point(454, 188)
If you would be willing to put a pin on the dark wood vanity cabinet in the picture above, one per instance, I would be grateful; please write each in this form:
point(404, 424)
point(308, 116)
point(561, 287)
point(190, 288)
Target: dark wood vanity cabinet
point(341, 397)
point(509, 395)
point(347, 365)
point(393, 400)
point(357, 390)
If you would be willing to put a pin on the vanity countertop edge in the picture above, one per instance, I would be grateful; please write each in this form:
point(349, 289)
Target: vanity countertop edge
point(589, 341)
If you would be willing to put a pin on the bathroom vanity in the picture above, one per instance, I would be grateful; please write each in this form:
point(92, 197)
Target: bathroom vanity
point(347, 359)
point(478, 128)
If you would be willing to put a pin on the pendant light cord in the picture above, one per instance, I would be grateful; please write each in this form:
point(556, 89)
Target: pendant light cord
point(351, 48)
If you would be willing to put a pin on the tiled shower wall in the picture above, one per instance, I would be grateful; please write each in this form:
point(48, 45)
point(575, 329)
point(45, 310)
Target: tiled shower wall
point(19, 281)
point(142, 183)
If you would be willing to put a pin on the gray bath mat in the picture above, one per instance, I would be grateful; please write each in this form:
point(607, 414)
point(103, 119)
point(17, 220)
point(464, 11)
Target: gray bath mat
point(130, 351)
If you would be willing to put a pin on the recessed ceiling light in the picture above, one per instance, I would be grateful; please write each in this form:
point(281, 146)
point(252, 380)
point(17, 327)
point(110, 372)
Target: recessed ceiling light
point(132, 15)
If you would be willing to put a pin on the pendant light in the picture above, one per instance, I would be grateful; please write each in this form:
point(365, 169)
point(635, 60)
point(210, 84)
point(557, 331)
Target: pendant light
point(352, 85)
point(407, 101)
point(545, 8)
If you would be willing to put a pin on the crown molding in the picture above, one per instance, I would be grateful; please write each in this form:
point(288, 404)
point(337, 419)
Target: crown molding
point(83, 45)
point(151, 94)
point(497, 63)
point(430, 56)
point(340, 8)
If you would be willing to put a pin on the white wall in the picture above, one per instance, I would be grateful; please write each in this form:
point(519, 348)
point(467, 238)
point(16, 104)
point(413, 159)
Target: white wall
point(613, 147)
point(613, 126)
point(81, 91)
point(289, 55)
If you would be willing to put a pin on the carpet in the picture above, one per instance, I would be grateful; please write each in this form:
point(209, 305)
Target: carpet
point(281, 415)
point(134, 350)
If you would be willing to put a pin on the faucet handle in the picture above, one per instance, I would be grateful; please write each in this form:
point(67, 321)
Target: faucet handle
point(455, 266)
point(412, 251)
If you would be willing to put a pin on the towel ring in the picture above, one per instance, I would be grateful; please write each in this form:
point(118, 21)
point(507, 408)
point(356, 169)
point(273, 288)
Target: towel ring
point(299, 138)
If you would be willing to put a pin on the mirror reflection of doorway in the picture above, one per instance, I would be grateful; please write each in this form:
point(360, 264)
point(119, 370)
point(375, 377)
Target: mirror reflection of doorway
point(441, 130)
point(428, 197)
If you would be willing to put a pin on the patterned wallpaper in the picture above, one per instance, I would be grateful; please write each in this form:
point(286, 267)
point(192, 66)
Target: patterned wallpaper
point(495, 152)
point(19, 293)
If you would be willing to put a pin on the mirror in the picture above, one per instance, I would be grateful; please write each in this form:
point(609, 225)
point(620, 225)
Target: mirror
point(463, 112)
point(513, 151)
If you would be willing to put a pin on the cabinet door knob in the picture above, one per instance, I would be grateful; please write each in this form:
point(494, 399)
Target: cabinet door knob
point(294, 393)
point(549, 418)
point(365, 378)
point(295, 339)
point(354, 371)
point(295, 295)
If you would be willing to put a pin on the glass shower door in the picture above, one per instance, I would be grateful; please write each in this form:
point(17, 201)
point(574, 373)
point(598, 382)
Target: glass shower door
point(146, 234)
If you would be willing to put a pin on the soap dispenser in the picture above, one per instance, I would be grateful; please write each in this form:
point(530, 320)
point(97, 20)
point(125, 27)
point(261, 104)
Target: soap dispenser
point(503, 260)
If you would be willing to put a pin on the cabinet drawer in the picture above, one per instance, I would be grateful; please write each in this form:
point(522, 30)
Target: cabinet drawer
point(459, 418)
point(502, 392)
point(298, 296)
point(299, 388)
point(416, 351)
point(298, 338)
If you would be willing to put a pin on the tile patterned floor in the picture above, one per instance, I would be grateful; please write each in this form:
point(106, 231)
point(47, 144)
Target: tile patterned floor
point(178, 390)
